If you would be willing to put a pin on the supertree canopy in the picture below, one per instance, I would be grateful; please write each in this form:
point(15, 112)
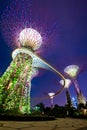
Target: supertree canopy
point(67, 83)
point(15, 84)
point(19, 15)
point(30, 38)
point(72, 71)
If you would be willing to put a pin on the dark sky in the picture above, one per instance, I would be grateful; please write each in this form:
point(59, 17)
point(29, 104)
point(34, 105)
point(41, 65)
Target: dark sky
point(63, 26)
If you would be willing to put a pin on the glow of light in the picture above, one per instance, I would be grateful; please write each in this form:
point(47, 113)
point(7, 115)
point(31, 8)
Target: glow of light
point(51, 95)
point(30, 38)
point(72, 70)
point(73, 99)
point(67, 83)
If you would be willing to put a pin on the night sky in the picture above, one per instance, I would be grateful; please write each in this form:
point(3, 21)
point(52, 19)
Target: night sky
point(63, 27)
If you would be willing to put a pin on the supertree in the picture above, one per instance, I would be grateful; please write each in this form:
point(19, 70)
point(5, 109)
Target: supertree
point(67, 85)
point(51, 95)
point(72, 71)
point(16, 81)
point(15, 84)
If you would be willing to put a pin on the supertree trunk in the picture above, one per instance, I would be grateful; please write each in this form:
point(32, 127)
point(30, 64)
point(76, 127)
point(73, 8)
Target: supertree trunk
point(81, 99)
point(69, 102)
point(13, 83)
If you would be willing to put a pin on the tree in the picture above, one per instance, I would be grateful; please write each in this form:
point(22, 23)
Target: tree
point(41, 106)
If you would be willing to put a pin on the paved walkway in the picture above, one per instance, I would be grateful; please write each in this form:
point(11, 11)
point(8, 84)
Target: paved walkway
point(58, 124)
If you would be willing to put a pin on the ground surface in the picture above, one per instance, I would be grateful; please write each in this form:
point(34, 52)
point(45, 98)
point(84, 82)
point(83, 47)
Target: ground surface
point(58, 124)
